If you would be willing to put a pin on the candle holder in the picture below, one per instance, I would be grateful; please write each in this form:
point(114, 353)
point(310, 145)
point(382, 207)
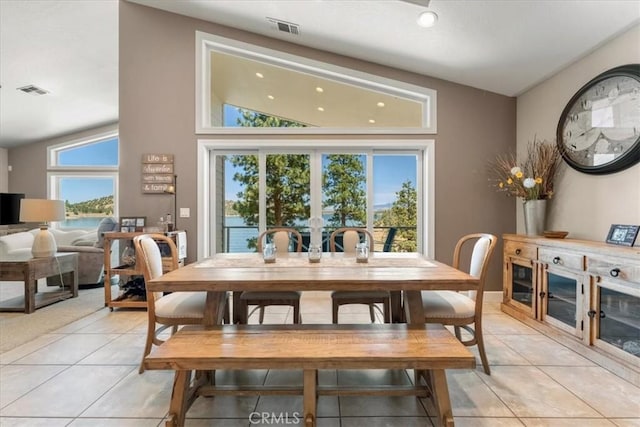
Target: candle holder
point(362, 252)
point(315, 253)
point(269, 253)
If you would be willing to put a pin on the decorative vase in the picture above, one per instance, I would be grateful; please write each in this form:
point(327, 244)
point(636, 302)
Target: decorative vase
point(535, 214)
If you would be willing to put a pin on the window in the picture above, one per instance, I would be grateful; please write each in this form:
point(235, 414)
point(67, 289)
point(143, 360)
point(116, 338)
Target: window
point(283, 183)
point(325, 97)
point(84, 173)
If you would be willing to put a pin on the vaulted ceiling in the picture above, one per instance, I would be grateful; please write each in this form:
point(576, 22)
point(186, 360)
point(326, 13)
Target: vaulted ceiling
point(70, 48)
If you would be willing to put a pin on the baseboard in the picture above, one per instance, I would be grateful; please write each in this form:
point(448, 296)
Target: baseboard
point(492, 296)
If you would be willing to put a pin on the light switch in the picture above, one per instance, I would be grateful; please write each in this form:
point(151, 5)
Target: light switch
point(185, 213)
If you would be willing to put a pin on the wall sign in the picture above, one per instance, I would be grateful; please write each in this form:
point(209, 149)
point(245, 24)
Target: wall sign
point(157, 172)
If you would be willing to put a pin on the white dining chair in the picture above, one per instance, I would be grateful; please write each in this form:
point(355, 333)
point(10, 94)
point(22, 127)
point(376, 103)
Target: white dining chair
point(171, 310)
point(463, 309)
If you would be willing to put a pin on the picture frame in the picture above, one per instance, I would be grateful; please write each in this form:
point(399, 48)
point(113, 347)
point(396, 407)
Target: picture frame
point(132, 224)
point(625, 235)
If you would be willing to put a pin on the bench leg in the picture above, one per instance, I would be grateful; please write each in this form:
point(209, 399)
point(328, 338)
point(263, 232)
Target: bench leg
point(441, 397)
point(179, 399)
point(310, 397)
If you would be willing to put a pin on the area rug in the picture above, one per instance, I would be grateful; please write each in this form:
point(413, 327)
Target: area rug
point(19, 328)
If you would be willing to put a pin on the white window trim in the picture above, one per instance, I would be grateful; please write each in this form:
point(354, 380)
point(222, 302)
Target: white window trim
point(206, 179)
point(52, 150)
point(53, 178)
point(56, 172)
point(205, 43)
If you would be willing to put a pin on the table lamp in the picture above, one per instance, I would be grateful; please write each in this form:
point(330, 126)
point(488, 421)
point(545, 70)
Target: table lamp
point(42, 211)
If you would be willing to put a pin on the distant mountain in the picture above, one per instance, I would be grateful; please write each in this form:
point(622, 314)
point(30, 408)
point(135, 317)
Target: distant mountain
point(382, 207)
point(102, 205)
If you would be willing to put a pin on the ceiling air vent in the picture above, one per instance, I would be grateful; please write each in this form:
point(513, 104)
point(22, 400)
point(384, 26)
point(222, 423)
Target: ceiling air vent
point(284, 26)
point(33, 90)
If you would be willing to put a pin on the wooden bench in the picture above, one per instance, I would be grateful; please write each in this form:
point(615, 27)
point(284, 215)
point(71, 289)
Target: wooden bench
point(428, 349)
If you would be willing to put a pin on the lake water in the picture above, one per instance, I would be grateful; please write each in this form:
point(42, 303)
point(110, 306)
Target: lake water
point(82, 222)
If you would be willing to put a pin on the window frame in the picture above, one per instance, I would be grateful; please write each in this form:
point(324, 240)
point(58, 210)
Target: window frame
point(206, 43)
point(207, 178)
point(56, 172)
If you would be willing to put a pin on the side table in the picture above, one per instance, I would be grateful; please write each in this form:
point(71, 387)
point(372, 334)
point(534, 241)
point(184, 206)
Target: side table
point(29, 270)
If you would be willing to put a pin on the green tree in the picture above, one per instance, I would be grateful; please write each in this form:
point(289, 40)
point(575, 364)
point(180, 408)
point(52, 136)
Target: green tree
point(287, 188)
point(288, 178)
point(343, 181)
point(403, 213)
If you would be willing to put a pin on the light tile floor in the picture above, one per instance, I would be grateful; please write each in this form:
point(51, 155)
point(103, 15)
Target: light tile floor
point(86, 374)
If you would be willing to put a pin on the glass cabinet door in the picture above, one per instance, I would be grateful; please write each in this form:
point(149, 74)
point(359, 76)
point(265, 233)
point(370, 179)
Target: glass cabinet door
point(561, 298)
point(522, 281)
point(618, 320)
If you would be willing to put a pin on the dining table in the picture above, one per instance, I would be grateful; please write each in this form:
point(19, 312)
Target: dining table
point(403, 274)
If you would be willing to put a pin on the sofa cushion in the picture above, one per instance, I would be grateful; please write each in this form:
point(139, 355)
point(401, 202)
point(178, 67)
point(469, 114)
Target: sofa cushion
point(12, 243)
point(106, 225)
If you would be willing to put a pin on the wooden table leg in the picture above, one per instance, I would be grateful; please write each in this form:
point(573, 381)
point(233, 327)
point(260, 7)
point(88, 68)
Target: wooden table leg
point(310, 397)
point(214, 308)
point(30, 289)
point(179, 398)
point(436, 379)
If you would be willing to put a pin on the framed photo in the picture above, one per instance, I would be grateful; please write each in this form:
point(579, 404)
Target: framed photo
point(624, 235)
point(131, 224)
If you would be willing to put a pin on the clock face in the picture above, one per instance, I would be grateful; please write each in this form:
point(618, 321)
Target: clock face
point(599, 129)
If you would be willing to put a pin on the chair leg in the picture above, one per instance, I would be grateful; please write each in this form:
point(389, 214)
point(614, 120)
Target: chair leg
point(334, 309)
point(243, 312)
point(226, 317)
point(387, 310)
point(480, 341)
point(456, 329)
point(372, 313)
point(296, 313)
point(151, 331)
point(261, 319)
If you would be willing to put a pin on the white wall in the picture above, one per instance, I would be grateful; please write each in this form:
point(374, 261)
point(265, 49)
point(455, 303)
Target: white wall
point(585, 205)
point(4, 170)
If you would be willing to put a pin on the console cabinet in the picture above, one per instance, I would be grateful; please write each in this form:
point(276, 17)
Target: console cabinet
point(127, 267)
point(590, 290)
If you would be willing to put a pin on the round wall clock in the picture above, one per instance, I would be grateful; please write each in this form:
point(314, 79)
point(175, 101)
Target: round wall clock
point(599, 129)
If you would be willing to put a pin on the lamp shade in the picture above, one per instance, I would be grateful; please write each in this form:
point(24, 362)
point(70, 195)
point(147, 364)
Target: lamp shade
point(41, 210)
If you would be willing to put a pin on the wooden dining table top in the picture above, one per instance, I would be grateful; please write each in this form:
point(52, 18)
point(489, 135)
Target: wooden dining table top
point(336, 271)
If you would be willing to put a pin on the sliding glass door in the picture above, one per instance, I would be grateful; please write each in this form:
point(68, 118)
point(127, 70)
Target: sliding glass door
point(254, 190)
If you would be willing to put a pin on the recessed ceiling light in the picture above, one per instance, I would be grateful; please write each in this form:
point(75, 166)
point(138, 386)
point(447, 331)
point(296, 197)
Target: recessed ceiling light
point(371, 121)
point(270, 96)
point(380, 104)
point(427, 19)
point(259, 75)
point(319, 89)
point(320, 109)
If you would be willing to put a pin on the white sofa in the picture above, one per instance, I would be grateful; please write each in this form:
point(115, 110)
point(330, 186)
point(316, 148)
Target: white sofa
point(85, 243)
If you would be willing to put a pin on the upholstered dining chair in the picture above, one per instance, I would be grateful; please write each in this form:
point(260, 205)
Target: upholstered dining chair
point(172, 310)
point(350, 237)
point(282, 238)
point(463, 309)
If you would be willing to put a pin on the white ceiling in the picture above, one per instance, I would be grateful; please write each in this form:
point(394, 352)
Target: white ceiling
point(71, 47)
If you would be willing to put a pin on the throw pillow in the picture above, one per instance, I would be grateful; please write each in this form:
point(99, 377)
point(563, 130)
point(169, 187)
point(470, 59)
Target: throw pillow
point(106, 225)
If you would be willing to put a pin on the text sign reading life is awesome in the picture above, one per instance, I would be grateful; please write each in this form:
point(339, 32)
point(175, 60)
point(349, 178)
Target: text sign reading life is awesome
point(157, 172)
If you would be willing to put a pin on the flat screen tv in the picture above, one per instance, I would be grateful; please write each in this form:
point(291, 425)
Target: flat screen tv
point(10, 208)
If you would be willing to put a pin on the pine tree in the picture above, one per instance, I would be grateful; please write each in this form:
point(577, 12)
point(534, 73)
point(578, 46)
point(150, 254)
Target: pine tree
point(343, 182)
